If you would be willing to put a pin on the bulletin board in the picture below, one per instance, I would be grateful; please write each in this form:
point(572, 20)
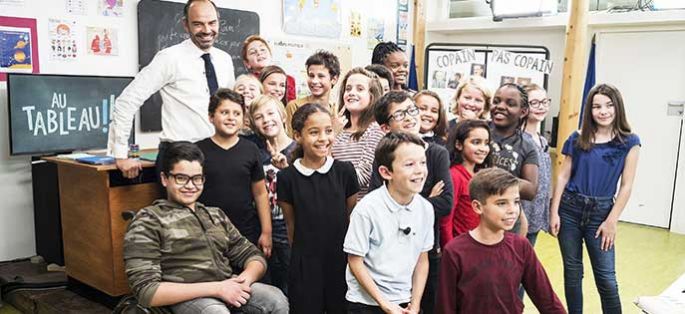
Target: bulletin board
point(447, 63)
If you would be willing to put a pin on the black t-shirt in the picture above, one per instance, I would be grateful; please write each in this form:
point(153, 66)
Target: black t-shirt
point(512, 152)
point(279, 229)
point(230, 174)
point(319, 204)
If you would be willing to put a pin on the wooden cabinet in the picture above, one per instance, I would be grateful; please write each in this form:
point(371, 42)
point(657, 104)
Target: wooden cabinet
point(92, 199)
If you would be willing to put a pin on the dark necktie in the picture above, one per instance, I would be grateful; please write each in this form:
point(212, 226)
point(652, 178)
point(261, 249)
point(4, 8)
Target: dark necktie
point(210, 74)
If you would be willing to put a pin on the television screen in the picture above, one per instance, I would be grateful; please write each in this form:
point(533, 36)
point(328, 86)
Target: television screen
point(60, 113)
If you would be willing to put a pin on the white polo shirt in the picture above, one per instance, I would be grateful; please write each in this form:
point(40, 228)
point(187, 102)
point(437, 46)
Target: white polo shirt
point(377, 232)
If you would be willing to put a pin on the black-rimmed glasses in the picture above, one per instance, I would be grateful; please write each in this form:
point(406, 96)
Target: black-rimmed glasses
point(182, 179)
point(401, 114)
point(544, 103)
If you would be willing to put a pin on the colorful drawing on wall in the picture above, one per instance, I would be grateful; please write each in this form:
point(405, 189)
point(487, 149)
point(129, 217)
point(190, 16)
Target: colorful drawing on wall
point(111, 7)
point(77, 7)
point(355, 24)
point(63, 40)
point(321, 18)
point(375, 32)
point(102, 41)
point(18, 46)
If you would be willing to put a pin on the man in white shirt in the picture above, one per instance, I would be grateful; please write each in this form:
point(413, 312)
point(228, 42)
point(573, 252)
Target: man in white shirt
point(185, 75)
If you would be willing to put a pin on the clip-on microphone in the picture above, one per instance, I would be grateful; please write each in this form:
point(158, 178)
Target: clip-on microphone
point(406, 230)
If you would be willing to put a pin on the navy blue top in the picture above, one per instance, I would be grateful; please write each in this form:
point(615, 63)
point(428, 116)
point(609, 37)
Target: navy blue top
point(596, 172)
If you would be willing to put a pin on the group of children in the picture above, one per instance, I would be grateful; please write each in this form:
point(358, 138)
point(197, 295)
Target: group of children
point(385, 205)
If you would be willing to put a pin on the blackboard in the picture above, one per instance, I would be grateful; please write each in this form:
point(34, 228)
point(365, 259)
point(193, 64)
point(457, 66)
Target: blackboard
point(60, 113)
point(160, 26)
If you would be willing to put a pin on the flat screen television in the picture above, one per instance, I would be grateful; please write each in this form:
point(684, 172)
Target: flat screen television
point(60, 113)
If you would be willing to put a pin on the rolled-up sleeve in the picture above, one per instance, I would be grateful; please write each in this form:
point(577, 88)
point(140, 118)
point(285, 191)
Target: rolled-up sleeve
point(142, 257)
point(147, 82)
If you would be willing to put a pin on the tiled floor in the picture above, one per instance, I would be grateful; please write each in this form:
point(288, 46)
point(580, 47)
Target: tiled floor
point(647, 261)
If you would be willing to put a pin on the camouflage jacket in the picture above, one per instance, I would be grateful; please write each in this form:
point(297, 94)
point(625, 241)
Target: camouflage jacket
point(167, 242)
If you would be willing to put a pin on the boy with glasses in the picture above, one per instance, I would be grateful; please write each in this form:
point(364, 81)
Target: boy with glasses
point(397, 112)
point(181, 253)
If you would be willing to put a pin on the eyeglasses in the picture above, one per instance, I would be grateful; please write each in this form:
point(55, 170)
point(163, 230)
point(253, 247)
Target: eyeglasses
point(540, 103)
point(182, 179)
point(401, 114)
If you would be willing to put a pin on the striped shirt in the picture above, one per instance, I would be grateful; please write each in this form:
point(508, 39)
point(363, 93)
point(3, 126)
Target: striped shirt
point(360, 153)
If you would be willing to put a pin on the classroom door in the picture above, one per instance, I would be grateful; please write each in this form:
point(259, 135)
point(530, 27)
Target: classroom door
point(649, 70)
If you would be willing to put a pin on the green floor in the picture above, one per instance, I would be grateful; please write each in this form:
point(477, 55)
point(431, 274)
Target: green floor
point(647, 261)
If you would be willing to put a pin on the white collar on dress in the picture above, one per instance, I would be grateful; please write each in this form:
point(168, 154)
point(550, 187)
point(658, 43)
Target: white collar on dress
point(308, 172)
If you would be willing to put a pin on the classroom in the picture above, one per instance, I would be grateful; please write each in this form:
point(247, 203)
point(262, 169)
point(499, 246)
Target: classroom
point(233, 156)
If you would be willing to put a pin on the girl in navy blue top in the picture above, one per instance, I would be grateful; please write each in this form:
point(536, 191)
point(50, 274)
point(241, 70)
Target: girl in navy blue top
point(585, 206)
point(316, 194)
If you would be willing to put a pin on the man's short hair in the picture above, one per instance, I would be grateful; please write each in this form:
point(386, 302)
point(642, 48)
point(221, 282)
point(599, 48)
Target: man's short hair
point(327, 59)
point(385, 151)
point(225, 94)
point(180, 151)
point(489, 182)
point(382, 108)
point(382, 72)
point(186, 8)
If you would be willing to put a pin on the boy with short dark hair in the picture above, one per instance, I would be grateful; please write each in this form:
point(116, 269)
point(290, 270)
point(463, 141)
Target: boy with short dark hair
point(481, 270)
point(397, 112)
point(390, 233)
point(323, 71)
point(235, 177)
point(181, 253)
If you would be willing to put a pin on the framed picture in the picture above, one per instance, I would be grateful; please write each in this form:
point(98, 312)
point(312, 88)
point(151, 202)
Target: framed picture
point(18, 46)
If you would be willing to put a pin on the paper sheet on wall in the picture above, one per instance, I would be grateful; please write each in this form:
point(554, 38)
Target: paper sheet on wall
point(111, 7)
point(76, 7)
point(321, 18)
point(12, 2)
point(375, 32)
point(292, 55)
point(15, 49)
point(102, 41)
point(63, 40)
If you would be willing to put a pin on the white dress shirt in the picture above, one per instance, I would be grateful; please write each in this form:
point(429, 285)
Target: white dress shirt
point(178, 73)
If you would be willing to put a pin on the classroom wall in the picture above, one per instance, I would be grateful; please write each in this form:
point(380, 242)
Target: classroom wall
point(16, 214)
point(550, 32)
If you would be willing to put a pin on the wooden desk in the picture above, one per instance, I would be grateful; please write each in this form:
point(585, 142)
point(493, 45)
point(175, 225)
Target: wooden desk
point(92, 198)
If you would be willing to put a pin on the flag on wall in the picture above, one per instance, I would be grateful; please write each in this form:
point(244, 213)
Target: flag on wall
point(589, 80)
point(413, 80)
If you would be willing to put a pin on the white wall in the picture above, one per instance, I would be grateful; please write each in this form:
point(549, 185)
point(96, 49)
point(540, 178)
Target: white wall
point(16, 213)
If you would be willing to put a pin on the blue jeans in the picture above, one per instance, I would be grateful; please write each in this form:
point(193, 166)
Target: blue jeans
point(263, 299)
point(580, 217)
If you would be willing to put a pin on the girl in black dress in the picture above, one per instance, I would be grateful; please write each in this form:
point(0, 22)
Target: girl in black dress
point(316, 194)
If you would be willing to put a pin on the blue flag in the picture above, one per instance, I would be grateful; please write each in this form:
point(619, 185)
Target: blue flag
point(589, 80)
point(413, 81)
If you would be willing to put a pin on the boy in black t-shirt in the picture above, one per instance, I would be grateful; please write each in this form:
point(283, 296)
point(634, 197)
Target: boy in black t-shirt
point(235, 178)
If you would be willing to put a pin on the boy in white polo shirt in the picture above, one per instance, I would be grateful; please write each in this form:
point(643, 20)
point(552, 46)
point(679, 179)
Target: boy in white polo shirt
point(390, 233)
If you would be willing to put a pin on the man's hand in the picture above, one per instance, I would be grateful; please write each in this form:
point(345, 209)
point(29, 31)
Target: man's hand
point(264, 243)
point(130, 168)
point(234, 291)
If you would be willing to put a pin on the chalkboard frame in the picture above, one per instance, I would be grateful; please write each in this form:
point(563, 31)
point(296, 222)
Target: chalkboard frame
point(53, 152)
point(150, 112)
